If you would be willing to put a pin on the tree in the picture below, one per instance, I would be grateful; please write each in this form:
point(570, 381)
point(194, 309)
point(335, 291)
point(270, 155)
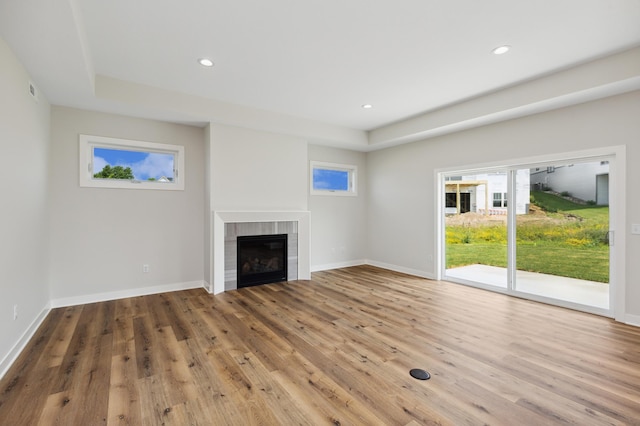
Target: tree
point(116, 172)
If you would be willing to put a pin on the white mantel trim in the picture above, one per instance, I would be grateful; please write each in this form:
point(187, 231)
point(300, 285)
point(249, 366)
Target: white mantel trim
point(220, 218)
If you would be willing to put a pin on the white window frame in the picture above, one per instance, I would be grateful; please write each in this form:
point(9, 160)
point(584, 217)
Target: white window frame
point(88, 143)
point(352, 170)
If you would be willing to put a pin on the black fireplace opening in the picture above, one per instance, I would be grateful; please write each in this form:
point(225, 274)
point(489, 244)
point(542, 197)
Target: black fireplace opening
point(262, 259)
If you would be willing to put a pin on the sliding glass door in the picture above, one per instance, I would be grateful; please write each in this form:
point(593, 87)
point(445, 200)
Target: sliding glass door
point(539, 231)
point(475, 220)
point(562, 242)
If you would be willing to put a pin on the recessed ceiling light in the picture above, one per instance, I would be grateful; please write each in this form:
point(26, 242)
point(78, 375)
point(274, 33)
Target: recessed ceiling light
point(367, 106)
point(501, 50)
point(205, 62)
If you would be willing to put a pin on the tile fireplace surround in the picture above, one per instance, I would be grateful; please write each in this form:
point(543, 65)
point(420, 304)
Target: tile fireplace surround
point(300, 221)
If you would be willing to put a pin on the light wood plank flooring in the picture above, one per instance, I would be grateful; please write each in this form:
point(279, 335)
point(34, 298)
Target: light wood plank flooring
point(335, 350)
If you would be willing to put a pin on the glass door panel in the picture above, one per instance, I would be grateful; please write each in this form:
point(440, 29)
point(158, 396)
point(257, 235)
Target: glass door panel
point(562, 224)
point(475, 222)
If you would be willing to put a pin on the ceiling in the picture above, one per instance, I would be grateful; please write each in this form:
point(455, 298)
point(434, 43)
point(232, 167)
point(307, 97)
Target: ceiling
point(319, 60)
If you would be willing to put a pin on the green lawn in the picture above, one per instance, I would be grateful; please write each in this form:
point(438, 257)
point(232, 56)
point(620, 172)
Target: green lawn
point(574, 247)
point(590, 263)
point(559, 204)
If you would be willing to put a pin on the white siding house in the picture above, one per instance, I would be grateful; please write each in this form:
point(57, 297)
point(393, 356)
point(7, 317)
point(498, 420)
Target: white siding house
point(486, 193)
point(586, 181)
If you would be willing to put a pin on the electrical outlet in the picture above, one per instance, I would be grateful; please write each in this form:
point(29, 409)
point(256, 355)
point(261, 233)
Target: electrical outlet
point(145, 268)
point(15, 312)
point(635, 228)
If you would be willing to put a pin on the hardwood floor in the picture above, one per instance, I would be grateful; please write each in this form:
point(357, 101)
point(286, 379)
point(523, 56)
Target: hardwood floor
point(335, 350)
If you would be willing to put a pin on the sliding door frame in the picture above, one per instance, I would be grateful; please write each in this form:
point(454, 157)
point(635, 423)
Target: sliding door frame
point(617, 220)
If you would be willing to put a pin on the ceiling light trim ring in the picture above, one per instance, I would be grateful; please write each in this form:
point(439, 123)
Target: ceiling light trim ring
point(205, 62)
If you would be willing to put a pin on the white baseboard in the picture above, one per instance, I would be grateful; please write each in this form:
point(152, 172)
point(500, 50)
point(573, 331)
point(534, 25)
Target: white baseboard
point(402, 269)
point(632, 320)
point(17, 349)
point(134, 292)
point(328, 266)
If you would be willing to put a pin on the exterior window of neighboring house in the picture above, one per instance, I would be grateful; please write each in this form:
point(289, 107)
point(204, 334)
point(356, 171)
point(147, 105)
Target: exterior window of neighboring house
point(451, 199)
point(120, 163)
point(333, 179)
point(499, 199)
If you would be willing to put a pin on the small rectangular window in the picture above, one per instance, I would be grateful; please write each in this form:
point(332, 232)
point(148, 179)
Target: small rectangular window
point(333, 179)
point(451, 199)
point(499, 199)
point(119, 163)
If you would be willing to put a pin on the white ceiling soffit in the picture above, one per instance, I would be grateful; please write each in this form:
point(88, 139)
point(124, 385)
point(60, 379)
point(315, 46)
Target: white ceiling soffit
point(306, 67)
point(613, 75)
point(49, 39)
point(211, 110)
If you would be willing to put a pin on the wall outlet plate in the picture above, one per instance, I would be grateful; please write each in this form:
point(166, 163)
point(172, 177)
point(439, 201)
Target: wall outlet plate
point(635, 228)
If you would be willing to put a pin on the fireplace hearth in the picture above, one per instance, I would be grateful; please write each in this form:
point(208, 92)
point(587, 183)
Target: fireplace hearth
point(262, 259)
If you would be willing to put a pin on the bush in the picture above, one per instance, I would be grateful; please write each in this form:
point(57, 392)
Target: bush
point(578, 242)
point(565, 194)
point(491, 234)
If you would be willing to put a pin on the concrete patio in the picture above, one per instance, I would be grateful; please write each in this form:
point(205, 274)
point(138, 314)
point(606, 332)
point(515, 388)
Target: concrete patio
point(583, 292)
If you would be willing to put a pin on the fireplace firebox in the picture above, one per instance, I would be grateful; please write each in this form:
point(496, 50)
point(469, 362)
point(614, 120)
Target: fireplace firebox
point(262, 259)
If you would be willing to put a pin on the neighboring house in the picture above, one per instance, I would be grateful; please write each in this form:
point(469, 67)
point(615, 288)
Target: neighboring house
point(586, 181)
point(485, 193)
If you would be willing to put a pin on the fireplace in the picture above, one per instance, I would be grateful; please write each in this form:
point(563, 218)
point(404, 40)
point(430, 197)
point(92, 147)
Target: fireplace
point(228, 225)
point(262, 259)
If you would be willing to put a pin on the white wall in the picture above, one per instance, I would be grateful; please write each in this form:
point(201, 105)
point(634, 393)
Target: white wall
point(254, 170)
point(402, 221)
point(24, 142)
point(338, 223)
point(251, 170)
point(100, 238)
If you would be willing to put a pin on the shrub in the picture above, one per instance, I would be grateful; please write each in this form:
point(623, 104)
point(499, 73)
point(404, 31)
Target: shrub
point(577, 242)
point(458, 235)
point(565, 193)
point(492, 234)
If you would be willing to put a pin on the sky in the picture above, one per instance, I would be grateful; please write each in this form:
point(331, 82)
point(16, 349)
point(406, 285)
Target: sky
point(337, 180)
point(143, 164)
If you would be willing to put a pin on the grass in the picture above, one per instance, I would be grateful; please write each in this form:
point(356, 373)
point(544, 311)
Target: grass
point(591, 264)
point(552, 203)
point(575, 245)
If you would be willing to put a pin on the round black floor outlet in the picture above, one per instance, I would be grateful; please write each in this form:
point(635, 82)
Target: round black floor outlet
point(420, 374)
